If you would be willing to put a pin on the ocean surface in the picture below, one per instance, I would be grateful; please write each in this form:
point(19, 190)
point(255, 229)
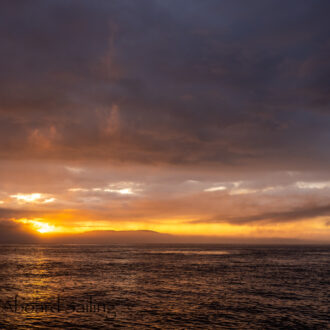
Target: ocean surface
point(164, 287)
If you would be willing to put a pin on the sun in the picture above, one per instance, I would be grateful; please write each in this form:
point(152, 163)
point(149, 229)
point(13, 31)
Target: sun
point(43, 228)
point(37, 225)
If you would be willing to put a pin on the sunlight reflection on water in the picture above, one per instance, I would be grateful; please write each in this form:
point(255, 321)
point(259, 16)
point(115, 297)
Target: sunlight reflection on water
point(167, 286)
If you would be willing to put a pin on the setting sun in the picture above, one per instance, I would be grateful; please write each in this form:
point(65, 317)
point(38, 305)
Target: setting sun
point(43, 227)
point(38, 225)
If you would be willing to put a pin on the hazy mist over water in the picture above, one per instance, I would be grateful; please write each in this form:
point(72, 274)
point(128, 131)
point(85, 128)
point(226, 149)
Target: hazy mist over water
point(164, 287)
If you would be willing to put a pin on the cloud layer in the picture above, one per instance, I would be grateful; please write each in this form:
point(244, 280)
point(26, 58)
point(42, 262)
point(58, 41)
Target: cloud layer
point(166, 113)
point(219, 83)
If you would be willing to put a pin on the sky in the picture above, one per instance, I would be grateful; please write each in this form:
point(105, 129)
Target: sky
point(192, 118)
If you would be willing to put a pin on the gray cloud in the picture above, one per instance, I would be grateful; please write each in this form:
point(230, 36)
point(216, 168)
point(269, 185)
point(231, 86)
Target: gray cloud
point(11, 232)
point(216, 83)
point(6, 213)
point(301, 213)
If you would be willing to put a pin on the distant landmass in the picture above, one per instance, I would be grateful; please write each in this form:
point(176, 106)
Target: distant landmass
point(148, 236)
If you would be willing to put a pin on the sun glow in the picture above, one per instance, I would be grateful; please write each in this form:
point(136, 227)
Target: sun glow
point(28, 198)
point(33, 198)
point(38, 225)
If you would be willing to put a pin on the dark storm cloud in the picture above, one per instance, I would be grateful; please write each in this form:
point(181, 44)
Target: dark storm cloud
point(11, 232)
point(301, 213)
point(7, 214)
point(198, 82)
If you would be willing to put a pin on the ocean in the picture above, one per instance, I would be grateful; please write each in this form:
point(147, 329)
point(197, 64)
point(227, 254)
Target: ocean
point(164, 287)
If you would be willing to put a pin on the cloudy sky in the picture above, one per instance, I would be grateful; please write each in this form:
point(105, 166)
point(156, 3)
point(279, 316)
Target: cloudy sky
point(184, 117)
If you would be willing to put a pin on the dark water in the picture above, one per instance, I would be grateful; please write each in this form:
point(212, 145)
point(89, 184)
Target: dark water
point(164, 287)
